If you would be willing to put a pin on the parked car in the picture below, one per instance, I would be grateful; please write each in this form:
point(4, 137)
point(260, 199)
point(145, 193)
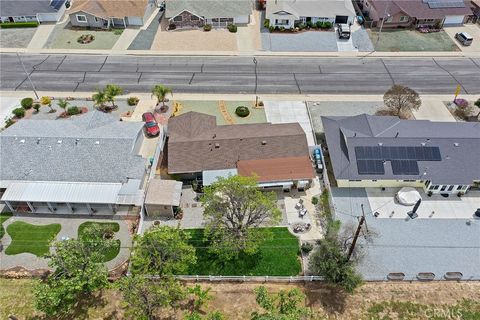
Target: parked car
point(151, 125)
point(477, 213)
point(343, 31)
point(464, 38)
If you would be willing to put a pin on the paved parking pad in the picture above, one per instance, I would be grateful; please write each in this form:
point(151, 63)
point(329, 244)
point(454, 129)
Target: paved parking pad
point(305, 41)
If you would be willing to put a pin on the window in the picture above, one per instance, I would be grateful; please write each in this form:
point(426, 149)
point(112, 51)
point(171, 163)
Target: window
point(194, 18)
point(374, 180)
point(443, 188)
point(81, 18)
point(409, 180)
point(459, 187)
point(434, 187)
point(389, 19)
point(178, 19)
point(450, 188)
point(226, 20)
point(404, 19)
point(282, 22)
point(96, 19)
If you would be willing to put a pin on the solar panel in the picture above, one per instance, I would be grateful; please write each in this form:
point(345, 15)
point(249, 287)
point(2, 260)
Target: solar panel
point(398, 153)
point(446, 4)
point(56, 4)
point(370, 167)
point(405, 167)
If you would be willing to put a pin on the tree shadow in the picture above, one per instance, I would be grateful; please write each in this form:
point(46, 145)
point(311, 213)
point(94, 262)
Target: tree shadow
point(330, 298)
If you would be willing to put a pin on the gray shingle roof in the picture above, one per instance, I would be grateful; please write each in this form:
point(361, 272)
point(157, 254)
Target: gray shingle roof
point(209, 8)
point(95, 147)
point(459, 145)
point(25, 7)
point(196, 143)
point(311, 8)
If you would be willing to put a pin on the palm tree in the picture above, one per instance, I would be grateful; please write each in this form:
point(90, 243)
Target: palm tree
point(111, 91)
point(99, 98)
point(160, 91)
point(62, 103)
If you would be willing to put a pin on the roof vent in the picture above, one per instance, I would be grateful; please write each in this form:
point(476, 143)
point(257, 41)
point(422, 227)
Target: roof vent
point(264, 142)
point(22, 141)
point(380, 144)
point(59, 141)
point(38, 140)
point(423, 144)
point(76, 141)
point(456, 144)
point(97, 142)
point(217, 145)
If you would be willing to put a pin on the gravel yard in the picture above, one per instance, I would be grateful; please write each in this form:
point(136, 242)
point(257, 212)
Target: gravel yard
point(16, 38)
point(195, 40)
point(305, 41)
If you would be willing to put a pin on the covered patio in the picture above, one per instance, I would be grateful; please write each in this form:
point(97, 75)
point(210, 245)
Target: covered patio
point(163, 197)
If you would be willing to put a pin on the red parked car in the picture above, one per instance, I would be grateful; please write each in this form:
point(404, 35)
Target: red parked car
point(151, 125)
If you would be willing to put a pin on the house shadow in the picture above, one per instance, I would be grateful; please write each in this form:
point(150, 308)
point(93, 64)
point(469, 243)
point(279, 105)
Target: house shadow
point(331, 299)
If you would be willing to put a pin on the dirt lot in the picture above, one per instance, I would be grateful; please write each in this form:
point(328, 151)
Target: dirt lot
point(412, 300)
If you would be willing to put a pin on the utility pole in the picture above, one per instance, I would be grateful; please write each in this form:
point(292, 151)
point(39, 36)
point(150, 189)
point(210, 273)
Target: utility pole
point(357, 233)
point(28, 75)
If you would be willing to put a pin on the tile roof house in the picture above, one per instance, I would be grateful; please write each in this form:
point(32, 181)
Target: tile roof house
point(32, 10)
point(377, 151)
point(285, 13)
point(418, 13)
point(274, 152)
point(197, 13)
point(104, 14)
point(83, 159)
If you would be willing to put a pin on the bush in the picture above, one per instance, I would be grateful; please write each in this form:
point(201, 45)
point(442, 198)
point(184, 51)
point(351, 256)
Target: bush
point(319, 24)
point(310, 24)
point(27, 103)
point(306, 247)
point(46, 100)
point(132, 101)
point(8, 25)
point(463, 112)
point(37, 106)
point(117, 32)
point(302, 26)
point(327, 25)
point(266, 23)
point(232, 28)
point(19, 112)
point(242, 111)
point(172, 26)
point(314, 200)
point(461, 102)
point(73, 110)
point(207, 27)
point(271, 29)
point(9, 122)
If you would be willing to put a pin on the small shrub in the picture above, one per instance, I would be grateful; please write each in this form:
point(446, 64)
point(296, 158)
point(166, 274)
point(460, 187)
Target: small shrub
point(85, 38)
point(73, 110)
point(132, 101)
point(271, 29)
point(319, 24)
point(260, 103)
point(461, 102)
point(310, 24)
point(172, 26)
point(242, 111)
point(266, 23)
point(37, 106)
point(314, 200)
point(207, 27)
point(9, 122)
point(46, 100)
point(117, 32)
point(232, 28)
point(306, 247)
point(19, 112)
point(463, 112)
point(281, 29)
point(27, 103)
point(9, 25)
point(302, 26)
point(327, 25)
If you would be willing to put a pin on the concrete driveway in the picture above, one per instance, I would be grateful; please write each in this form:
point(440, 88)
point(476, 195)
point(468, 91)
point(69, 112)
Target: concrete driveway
point(473, 30)
point(433, 110)
point(7, 104)
point(304, 41)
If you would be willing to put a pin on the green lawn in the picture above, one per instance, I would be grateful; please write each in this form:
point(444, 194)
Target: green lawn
point(113, 252)
point(3, 217)
point(277, 257)
point(31, 238)
point(411, 40)
point(257, 115)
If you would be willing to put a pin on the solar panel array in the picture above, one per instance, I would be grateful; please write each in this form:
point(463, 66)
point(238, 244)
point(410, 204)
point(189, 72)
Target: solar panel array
point(445, 4)
point(57, 4)
point(371, 159)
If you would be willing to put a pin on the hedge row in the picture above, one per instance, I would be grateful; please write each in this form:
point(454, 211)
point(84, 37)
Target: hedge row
point(7, 25)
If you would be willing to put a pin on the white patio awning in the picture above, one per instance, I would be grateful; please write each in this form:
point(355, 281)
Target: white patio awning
point(62, 192)
point(275, 184)
point(211, 176)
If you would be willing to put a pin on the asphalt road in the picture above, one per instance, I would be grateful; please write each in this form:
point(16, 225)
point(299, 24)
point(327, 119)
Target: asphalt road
point(270, 75)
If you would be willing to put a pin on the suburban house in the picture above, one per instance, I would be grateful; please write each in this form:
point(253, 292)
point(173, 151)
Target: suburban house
point(162, 197)
point(417, 13)
point(217, 13)
point(286, 13)
point(475, 6)
point(32, 10)
point(378, 151)
point(277, 154)
point(105, 14)
point(87, 165)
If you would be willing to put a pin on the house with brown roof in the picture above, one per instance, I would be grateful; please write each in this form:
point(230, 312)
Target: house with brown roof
point(105, 14)
point(277, 154)
point(417, 13)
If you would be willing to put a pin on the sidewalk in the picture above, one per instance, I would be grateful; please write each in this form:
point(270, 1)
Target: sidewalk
point(41, 36)
point(127, 37)
point(434, 110)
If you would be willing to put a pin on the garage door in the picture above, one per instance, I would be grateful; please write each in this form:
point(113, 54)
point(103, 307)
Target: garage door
point(134, 21)
point(453, 20)
point(341, 19)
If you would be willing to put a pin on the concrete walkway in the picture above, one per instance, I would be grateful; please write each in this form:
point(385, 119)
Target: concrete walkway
point(69, 229)
point(41, 36)
point(434, 110)
point(127, 37)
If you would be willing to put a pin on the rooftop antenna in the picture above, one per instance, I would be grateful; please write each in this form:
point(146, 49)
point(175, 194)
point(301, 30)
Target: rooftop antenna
point(396, 136)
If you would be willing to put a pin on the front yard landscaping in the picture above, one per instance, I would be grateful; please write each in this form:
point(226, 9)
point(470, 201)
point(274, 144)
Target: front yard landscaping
point(108, 227)
point(276, 257)
point(214, 108)
point(63, 37)
point(412, 40)
point(29, 238)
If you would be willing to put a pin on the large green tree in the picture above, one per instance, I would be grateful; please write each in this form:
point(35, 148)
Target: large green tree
point(163, 251)
point(234, 209)
point(145, 298)
point(77, 272)
point(284, 305)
